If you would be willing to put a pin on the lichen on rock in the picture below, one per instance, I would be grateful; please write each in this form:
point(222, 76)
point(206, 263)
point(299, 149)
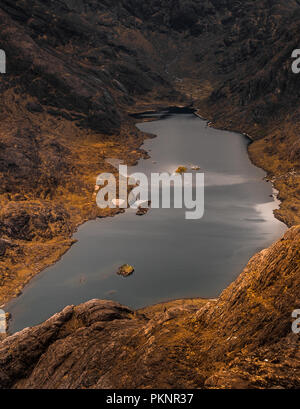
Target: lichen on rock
point(126, 270)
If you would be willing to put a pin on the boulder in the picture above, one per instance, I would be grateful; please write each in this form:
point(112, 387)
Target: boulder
point(126, 270)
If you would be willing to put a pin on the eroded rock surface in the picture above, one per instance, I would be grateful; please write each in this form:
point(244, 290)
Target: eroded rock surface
point(243, 339)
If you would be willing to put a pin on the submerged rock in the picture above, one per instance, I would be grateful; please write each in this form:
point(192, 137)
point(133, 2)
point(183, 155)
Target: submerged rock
point(125, 270)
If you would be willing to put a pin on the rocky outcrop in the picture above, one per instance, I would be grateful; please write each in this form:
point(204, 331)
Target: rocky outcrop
point(125, 270)
point(244, 339)
point(43, 220)
point(58, 340)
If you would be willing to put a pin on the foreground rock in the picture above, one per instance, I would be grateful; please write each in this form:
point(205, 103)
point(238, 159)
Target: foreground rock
point(242, 340)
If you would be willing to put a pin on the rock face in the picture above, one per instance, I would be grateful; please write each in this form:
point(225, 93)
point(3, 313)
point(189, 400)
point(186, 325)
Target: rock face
point(66, 331)
point(242, 340)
